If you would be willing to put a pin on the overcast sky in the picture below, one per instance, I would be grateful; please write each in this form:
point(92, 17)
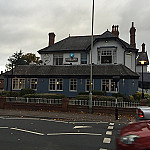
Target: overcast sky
point(25, 24)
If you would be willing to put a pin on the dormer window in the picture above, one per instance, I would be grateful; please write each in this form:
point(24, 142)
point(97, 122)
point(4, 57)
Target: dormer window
point(107, 55)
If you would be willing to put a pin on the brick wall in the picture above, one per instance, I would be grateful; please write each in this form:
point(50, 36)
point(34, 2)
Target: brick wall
point(64, 107)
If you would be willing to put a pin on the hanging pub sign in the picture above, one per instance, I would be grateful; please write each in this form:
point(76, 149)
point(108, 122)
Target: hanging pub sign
point(71, 58)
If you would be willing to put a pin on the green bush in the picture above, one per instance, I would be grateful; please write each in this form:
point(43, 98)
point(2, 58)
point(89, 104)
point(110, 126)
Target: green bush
point(98, 97)
point(26, 91)
point(45, 95)
point(93, 93)
point(147, 96)
point(102, 93)
point(9, 94)
point(137, 96)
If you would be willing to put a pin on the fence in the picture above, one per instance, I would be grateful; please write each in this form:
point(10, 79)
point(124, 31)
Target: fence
point(73, 102)
point(33, 100)
point(105, 103)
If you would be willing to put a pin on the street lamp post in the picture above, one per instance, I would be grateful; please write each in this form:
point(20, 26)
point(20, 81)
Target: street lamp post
point(91, 69)
point(142, 63)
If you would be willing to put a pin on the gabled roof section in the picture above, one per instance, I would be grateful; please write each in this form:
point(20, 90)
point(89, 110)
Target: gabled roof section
point(73, 70)
point(82, 43)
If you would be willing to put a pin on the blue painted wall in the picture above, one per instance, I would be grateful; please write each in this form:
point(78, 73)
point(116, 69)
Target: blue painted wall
point(126, 87)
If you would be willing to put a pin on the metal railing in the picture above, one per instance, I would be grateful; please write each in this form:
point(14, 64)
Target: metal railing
point(33, 100)
point(105, 103)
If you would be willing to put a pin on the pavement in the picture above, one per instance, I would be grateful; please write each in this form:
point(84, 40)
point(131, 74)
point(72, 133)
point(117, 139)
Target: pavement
point(66, 116)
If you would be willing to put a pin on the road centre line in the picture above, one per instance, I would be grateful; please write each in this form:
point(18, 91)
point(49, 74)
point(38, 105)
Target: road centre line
point(108, 132)
point(78, 133)
point(88, 122)
point(81, 127)
point(110, 127)
point(22, 130)
point(111, 124)
point(3, 127)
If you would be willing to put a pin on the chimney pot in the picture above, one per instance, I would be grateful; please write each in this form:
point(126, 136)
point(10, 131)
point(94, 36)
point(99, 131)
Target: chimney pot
point(115, 30)
point(132, 36)
point(143, 48)
point(51, 38)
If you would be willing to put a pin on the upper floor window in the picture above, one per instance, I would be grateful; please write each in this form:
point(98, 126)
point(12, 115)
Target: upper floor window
point(83, 58)
point(107, 56)
point(58, 59)
point(73, 84)
point(33, 84)
point(108, 85)
point(18, 83)
point(55, 84)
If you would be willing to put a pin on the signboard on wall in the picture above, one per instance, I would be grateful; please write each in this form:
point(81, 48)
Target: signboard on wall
point(71, 59)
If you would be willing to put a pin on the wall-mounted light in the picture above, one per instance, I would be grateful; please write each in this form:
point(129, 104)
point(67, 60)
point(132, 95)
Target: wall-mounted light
point(123, 81)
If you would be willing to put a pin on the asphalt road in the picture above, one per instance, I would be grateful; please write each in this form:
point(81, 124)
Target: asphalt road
point(50, 134)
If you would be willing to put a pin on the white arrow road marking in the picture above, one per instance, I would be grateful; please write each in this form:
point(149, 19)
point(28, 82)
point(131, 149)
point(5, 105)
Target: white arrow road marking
point(81, 127)
point(74, 134)
point(22, 130)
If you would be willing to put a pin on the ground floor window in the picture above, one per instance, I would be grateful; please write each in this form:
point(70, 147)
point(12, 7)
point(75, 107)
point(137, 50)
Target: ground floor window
point(33, 84)
point(108, 85)
point(18, 83)
point(73, 84)
point(55, 84)
point(87, 85)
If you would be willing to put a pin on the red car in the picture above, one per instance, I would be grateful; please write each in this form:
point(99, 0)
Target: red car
point(135, 136)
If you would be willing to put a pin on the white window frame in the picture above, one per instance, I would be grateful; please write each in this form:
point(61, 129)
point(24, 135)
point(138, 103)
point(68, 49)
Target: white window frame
point(19, 83)
point(57, 57)
point(108, 83)
point(87, 83)
point(56, 84)
point(107, 52)
point(33, 81)
point(82, 60)
point(73, 82)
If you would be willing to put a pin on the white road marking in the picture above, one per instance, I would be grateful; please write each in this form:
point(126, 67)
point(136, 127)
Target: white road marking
point(111, 124)
point(107, 140)
point(110, 127)
point(22, 130)
point(22, 118)
point(102, 149)
point(81, 127)
point(74, 134)
point(88, 122)
point(109, 132)
point(3, 127)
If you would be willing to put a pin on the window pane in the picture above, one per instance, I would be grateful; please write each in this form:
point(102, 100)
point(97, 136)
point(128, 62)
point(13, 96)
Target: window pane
point(34, 84)
point(73, 84)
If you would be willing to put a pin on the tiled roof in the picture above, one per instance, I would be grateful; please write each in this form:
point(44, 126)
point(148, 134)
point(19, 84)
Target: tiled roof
point(81, 43)
point(73, 70)
point(142, 56)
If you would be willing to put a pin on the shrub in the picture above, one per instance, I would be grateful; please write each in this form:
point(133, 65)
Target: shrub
point(137, 96)
point(131, 98)
point(45, 95)
point(99, 98)
point(26, 91)
point(9, 94)
point(93, 93)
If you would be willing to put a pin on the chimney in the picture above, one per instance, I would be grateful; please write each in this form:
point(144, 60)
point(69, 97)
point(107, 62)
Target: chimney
point(51, 38)
point(115, 30)
point(132, 36)
point(143, 48)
